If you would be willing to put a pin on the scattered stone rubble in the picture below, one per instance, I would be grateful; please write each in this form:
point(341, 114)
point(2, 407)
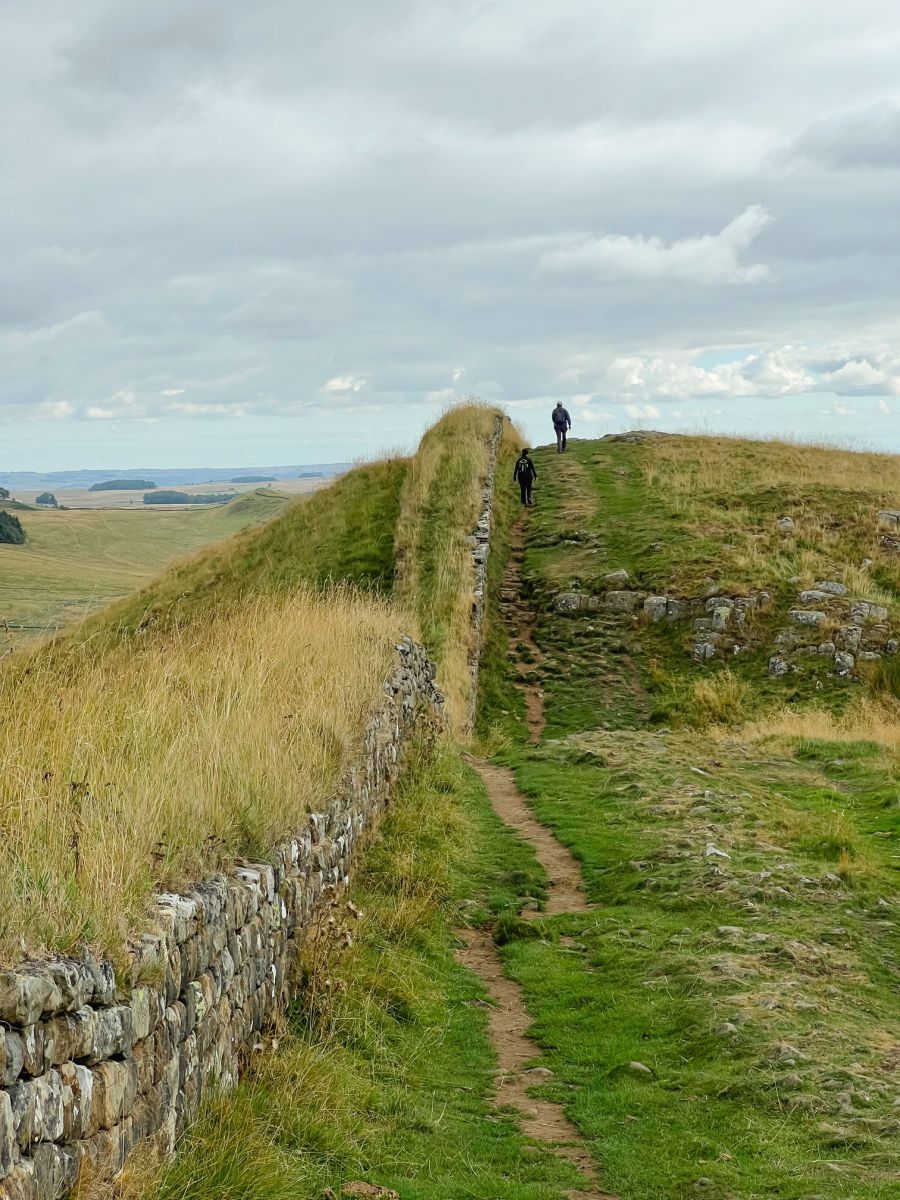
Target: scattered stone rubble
point(720, 622)
point(826, 624)
point(90, 1066)
point(838, 628)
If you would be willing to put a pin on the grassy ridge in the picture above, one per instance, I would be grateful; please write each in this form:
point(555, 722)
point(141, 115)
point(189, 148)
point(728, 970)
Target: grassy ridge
point(166, 715)
point(439, 509)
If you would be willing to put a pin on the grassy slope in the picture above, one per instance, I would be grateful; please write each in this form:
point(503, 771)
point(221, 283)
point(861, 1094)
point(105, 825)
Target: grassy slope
point(344, 532)
point(167, 756)
point(76, 561)
point(160, 729)
point(758, 989)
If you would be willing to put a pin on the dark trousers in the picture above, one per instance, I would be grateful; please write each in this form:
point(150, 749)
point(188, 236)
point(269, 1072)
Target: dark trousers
point(560, 438)
point(525, 486)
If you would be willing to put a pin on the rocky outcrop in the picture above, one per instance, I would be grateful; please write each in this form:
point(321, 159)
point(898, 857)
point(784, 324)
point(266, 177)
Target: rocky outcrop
point(91, 1065)
point(840, 628)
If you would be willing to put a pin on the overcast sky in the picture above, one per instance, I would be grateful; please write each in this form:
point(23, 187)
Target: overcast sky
point(264, 232)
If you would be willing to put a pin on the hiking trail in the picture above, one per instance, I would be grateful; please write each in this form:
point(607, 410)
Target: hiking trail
point(519, 620)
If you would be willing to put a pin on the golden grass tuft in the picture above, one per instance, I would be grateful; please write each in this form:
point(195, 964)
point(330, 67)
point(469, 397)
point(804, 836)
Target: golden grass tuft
point(869, 719)
point(160, 759)
point(720, 698)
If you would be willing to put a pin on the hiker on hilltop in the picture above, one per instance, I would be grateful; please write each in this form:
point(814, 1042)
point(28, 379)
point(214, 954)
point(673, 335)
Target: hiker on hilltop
point(525, 474)
point(561, 422)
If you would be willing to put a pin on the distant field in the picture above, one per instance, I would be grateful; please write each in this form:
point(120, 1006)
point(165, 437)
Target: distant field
point(80, 559)
point(85, 498)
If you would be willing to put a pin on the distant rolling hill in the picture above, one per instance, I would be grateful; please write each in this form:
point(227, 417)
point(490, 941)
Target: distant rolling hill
point(75, 561)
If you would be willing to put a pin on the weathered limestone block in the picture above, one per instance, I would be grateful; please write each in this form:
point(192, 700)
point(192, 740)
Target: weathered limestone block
point(55, 1170)
point(705, 649)
point(103, 977)
point(778, 666)
point(889, 518)
point(844, 662)
point(13, 1055)
point(78, 1096)
point(115, 1084)
point(848, 637)
point(33, 1045)
point(785, 524)
point(68, 1036)
point(721, 617)
point(23, 1100)
point(26, 996)
point(8, 1154)
point(815, 596)
point(112, 1033)
point(49, 1115)
point(826, 649)
point(831, 587)
point(677, 609)
point(865, 612)
point(806, 616)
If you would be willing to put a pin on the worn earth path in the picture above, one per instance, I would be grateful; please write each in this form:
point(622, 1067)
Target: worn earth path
point(509, 1022)
point(519, 620)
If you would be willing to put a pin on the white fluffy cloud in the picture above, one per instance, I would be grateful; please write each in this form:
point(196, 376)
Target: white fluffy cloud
point(789, 371)
point(708, 259)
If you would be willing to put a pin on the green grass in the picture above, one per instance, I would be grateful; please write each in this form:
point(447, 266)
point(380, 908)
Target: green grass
point(760, 989)
point(714, 1015)
point(392, 1085)
point(75, 561)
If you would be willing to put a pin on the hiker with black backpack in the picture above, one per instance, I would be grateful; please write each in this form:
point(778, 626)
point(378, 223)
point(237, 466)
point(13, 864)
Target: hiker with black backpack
point(562, 422)
point(525, 474)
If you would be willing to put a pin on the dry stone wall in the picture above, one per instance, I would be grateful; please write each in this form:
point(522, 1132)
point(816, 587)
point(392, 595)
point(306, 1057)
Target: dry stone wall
point(90, 1067)
point(481, 544)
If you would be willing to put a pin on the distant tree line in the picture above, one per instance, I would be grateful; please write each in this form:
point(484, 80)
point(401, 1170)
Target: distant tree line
point(11, 530)
point(252, 479)
point(166, 496)
point(122, 485)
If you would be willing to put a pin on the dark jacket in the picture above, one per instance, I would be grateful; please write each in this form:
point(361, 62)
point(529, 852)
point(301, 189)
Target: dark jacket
point(561, 419)
point(526, 471)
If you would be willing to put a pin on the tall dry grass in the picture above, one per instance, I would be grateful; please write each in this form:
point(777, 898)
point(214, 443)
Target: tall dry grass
point(162, 758)
point(688, 465)
point(732, 491)
point(868, 719)
point(439, 509)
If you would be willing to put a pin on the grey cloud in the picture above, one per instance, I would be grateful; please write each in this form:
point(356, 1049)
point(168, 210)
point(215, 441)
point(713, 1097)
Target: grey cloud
point(862, 138)
point(219, 207)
